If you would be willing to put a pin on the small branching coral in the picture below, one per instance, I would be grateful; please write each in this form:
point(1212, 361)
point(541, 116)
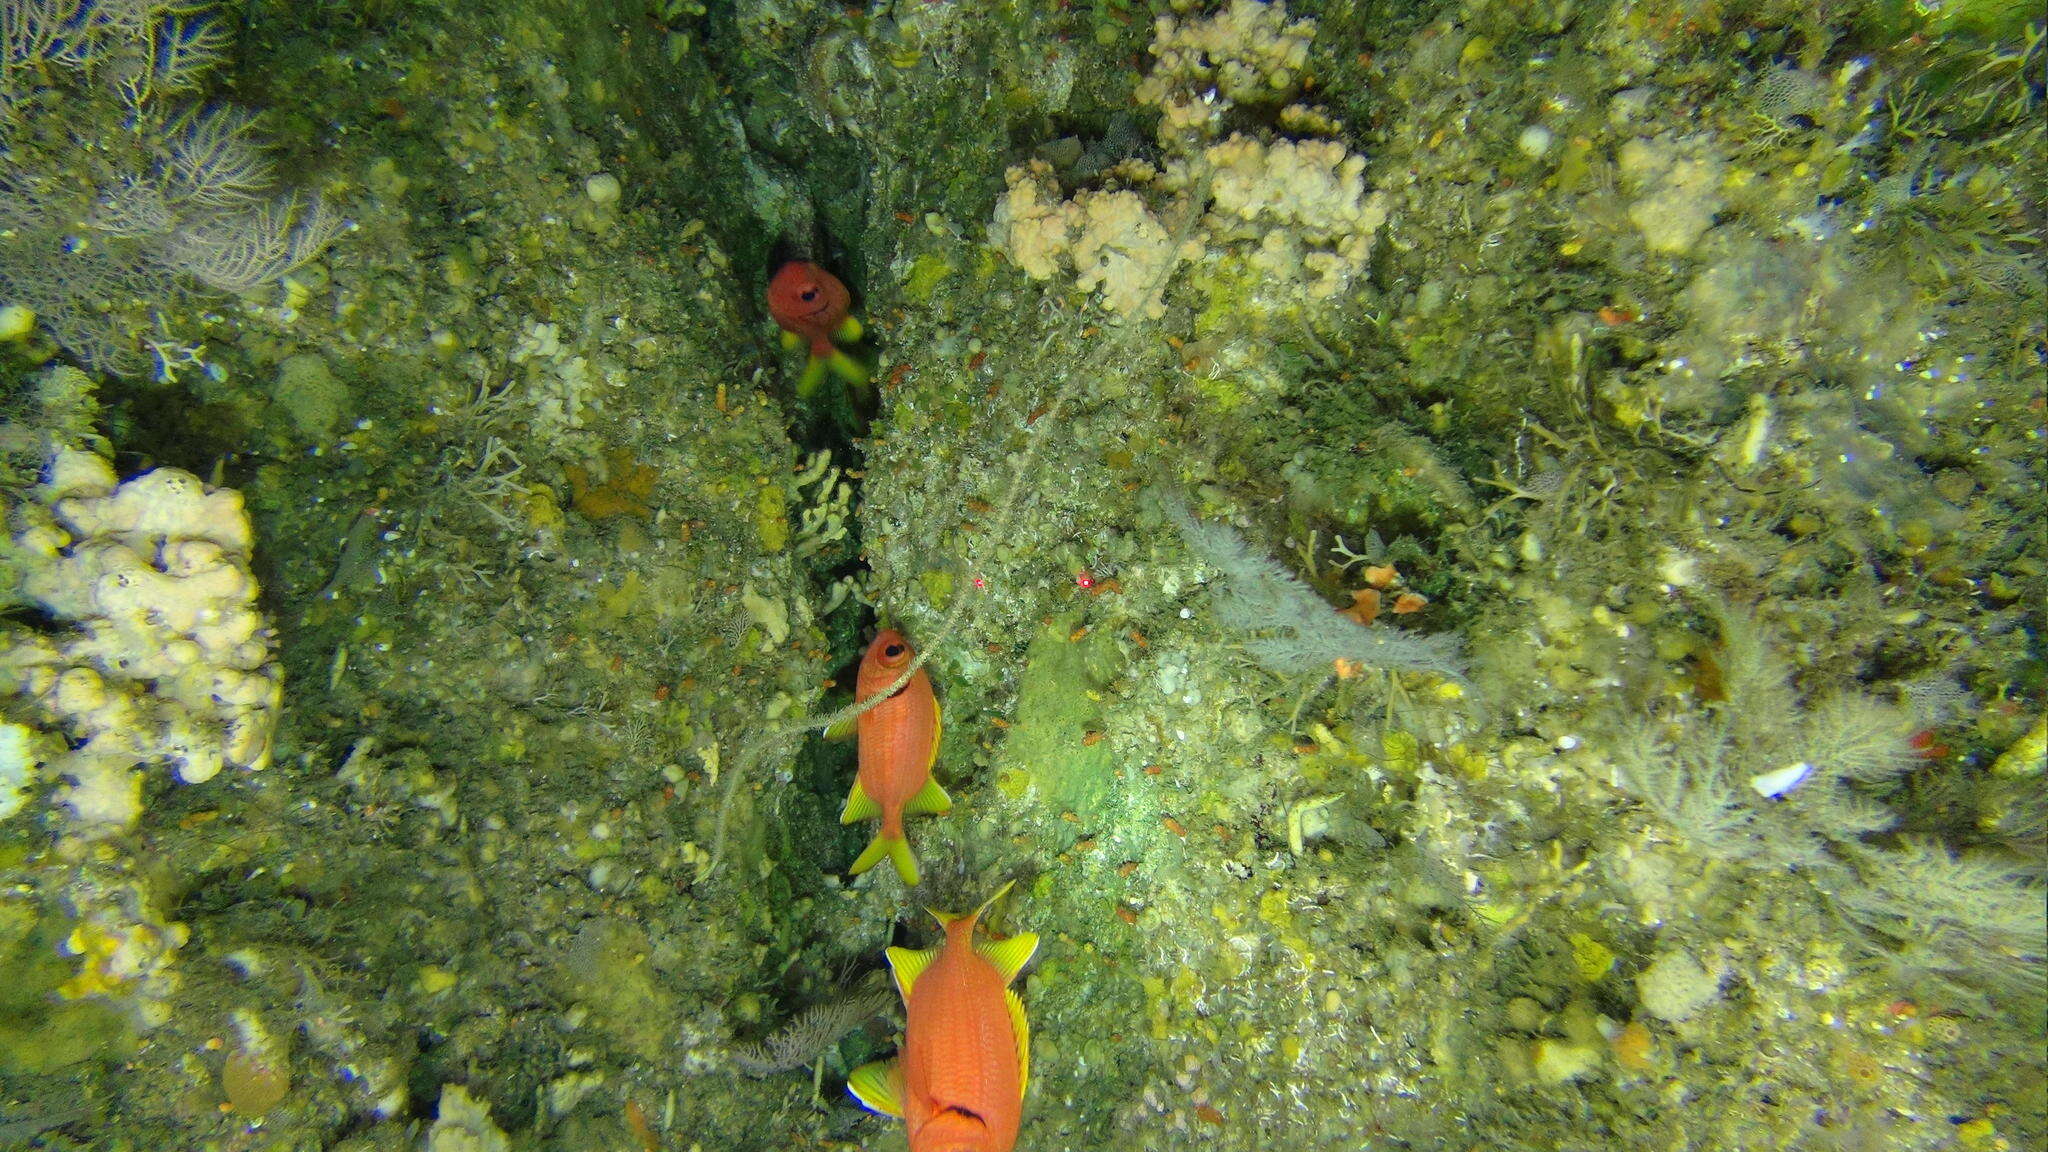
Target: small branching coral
point(1778, 784)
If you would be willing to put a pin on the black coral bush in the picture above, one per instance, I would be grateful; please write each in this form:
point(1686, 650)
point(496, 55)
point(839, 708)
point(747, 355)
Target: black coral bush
point(118, 186)
point(1798, 788)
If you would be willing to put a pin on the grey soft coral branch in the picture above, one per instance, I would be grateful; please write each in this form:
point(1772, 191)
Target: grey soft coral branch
point(807, 1035)
point(1287, 627)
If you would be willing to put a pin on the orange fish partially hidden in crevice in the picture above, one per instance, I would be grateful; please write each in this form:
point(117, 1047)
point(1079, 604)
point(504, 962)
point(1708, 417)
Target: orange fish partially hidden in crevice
point(899, 739)
point(812, 307)
point(958, 1081)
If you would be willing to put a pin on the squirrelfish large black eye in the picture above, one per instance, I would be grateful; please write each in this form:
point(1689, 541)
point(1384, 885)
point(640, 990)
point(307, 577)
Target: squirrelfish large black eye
point(893, 651)
point(808, 295)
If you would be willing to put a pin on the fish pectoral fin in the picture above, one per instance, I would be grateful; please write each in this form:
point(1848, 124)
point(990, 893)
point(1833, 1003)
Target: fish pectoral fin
point(1009, 956)
point(878, 1086)
point(846, 729)
point(930, 800)
point(849, 330)
point(907, 964)
point(791, 341)
point(1022, 1027)
point(859, 807)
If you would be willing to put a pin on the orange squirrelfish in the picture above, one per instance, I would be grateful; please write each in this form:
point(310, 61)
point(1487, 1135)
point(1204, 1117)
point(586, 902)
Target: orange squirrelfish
point(958, 1081)
point(899, 739)
point(814, 309)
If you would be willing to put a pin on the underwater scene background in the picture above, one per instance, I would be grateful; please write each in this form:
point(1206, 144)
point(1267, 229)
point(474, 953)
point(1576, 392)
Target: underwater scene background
point(1482, 564)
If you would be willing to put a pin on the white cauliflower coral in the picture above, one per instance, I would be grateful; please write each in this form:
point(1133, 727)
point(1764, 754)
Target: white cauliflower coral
point(1272, 224)
point(1303, 202)
point(167, 659)
point(1032, 221)
point(1248, 52)
point(1111, 239)
point(1124, 252)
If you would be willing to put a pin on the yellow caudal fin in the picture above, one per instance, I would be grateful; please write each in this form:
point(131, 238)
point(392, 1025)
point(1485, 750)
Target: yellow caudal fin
point(947, 918)
point(930, 800)
point(878, 1086)
point(859, 807)
point(897, 849)
point(907, 964)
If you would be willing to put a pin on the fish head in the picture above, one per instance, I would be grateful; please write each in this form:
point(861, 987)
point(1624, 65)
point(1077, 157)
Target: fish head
point(883, 662)
point(806, 298)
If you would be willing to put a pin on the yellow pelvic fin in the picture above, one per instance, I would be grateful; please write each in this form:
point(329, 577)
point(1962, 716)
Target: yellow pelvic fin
point(930, 800)
point(845, 367)
point(1022, 1027)
point(813, 376)
point(878, 1086)
point(849, 330)
point(859, 807)
point(1009, 956)
point(897, 849)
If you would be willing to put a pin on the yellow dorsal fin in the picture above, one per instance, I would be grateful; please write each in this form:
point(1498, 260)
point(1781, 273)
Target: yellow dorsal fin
point(859, 807)
point(907, 965)
point(1009, 956)
point(879, 1086)
point(1022, 1028)
point(929, 801)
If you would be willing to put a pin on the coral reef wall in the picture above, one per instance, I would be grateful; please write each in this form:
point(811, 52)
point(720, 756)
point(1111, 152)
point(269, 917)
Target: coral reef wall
point(1480, 560)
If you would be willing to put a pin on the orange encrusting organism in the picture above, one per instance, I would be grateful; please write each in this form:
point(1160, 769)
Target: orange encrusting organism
point(899, 740)
point(959, 1080)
